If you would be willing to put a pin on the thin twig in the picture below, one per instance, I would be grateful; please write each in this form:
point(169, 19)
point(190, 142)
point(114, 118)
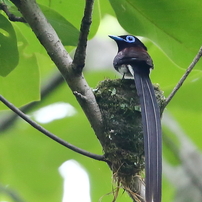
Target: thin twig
point(57, 52)
point(53, 83)
point(49, 134)
point(80, 54)
point(11, 16)
point(188, 71)
point(6, 190)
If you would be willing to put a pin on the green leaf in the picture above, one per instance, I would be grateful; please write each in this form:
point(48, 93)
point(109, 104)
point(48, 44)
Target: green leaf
point(66, 31)
point(165, 72)
point(172, 25)
point(21, 86)
point(105, 8)
point(9, 55)
point(73, 12)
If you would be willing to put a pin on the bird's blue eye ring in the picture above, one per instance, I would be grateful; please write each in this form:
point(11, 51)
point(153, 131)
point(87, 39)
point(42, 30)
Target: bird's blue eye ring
point(130, 39)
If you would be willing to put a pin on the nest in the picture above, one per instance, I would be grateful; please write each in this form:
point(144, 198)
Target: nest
point(122, 140)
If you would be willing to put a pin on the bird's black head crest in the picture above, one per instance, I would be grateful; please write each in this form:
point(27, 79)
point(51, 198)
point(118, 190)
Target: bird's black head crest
point(125, 41)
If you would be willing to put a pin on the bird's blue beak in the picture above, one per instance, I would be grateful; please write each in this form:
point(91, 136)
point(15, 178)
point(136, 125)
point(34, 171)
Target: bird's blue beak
point(116, 38)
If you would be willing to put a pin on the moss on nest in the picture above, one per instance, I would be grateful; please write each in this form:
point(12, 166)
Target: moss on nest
point(123, 137)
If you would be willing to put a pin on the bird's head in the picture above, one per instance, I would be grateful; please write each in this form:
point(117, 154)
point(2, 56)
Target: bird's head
point(126, 41)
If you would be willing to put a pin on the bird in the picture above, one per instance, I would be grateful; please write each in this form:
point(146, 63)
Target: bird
point(133, 60)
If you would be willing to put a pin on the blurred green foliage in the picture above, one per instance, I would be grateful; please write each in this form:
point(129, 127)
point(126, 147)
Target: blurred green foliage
point(29, 161)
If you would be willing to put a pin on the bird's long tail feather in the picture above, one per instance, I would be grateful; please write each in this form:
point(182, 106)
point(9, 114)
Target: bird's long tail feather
point(152, 137)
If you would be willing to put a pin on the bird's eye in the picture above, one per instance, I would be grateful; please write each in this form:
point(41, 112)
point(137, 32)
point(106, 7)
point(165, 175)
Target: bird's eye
point(130, 39)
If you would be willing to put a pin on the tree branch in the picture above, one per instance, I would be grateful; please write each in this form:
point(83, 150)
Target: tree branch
point(80, 54)
point(49, 134)
point(188, 71)
point(11, 16)
point(11, 193)
point(49, 39)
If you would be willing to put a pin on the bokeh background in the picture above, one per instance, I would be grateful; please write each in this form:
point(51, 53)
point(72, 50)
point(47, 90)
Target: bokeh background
point(35, 168)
